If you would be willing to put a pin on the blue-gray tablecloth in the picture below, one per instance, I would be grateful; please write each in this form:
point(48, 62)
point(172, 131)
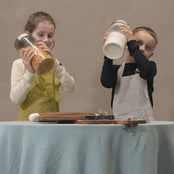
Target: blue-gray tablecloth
point(47, 148)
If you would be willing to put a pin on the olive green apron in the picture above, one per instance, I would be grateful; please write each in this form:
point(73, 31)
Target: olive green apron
point(43, 96)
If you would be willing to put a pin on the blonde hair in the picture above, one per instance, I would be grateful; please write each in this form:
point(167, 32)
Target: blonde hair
point(148, 30)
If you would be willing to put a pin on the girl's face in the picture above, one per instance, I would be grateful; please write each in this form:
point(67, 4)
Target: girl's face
point(44, 32)
point(146, 42)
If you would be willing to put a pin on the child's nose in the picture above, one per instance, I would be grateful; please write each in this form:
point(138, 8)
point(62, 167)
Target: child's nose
point(45, 39)
point(142, 48)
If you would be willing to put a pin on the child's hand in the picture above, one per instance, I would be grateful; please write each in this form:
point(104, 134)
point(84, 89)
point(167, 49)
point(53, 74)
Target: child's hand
point(45, 48)
point(27, 56)
point(106, 35)
point(126, 29)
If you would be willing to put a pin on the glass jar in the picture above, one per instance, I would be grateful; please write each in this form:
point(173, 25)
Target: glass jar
point(115, 44)
point(41, 62)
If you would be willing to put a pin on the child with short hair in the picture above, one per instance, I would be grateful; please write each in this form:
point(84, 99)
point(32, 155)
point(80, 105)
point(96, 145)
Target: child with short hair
point(132, 82)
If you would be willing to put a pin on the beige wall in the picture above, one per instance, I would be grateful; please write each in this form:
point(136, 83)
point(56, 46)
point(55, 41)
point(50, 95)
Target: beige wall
point(81, 25)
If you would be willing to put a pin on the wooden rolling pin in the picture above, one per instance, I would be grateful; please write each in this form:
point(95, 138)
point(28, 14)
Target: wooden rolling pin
point(58, 116)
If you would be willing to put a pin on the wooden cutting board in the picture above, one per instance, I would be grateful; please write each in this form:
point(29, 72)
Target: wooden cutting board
point(115, 121)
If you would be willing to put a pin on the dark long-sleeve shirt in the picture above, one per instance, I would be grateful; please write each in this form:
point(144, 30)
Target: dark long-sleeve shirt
point(146, 68)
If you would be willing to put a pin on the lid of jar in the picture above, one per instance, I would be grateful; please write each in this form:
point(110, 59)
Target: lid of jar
point(21, 37)
point(119, 21)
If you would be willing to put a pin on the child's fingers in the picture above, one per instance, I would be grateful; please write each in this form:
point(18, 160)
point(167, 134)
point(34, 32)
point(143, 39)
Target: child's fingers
point(41, 44)
point(106, 35)
point(27, 55)
point(125, 28)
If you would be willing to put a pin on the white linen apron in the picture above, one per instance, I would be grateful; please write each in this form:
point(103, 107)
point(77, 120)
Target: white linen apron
point(131, 98)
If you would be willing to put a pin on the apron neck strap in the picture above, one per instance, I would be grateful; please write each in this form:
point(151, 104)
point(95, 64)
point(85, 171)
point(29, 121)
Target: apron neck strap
point(121, 70)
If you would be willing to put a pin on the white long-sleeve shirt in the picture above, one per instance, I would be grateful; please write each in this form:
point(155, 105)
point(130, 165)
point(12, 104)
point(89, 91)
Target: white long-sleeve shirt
point(21, 80)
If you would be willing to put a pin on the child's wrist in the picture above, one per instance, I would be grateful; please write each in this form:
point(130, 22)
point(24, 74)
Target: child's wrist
point(131, 42)
point(132, 46)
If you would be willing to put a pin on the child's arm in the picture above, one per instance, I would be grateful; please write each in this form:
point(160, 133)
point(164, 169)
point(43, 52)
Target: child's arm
point(21, 81)
point(66, 80)
point(147, 68)
point(109, 73)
